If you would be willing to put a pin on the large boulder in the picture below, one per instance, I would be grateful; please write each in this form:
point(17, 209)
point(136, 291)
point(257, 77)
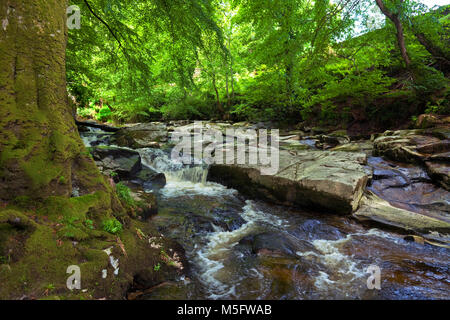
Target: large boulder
point(150, 179)
point(122, 162)
point(126, 164)
point(142, 135)
point(430, 148)
point(330, 181)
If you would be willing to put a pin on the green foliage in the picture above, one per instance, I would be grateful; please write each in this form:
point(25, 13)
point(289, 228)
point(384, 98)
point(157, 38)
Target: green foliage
point(113, 174)
point(86, 112)
point(62, 180)
point(254, 60)
point(440, 106)
point(124, 194)
point(89, 224)
point(50, 287)
point(112, 226)
point(428, 81)
point(104, 114)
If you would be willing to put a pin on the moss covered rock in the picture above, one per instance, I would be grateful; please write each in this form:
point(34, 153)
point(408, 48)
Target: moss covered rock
point(40, 242)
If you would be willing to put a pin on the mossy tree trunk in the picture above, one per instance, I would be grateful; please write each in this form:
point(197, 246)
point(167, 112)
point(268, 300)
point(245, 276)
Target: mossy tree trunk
point(39, 143)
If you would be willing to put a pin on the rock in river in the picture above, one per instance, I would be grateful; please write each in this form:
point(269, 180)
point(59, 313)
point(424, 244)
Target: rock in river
point(142, 135)
point(277, 244)
point(375, 209)
point(430, 148)
point(331, 181)
point(150, 179)
point(125, 163)
point(128, 166)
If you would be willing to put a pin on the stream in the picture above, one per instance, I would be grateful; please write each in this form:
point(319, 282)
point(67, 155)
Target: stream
point(245, 249)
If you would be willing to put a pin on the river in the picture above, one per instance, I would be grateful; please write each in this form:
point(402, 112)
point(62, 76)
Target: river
point(241, 248)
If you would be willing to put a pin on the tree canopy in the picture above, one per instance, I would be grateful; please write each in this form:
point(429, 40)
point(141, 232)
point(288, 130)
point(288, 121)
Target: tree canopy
point(332, 61)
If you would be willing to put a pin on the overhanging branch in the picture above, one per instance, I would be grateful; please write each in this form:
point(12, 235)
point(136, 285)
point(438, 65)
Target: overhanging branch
point(103, 21)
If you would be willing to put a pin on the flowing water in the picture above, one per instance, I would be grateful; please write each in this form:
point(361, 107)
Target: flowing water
point(244, 249)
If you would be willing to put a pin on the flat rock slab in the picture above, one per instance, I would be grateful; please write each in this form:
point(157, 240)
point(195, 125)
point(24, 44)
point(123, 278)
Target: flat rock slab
point(321, 180)
point(408, 187)
point(376, 209)
point(430, 148)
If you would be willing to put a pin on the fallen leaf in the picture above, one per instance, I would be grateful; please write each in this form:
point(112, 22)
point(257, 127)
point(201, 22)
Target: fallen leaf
point(122, 246)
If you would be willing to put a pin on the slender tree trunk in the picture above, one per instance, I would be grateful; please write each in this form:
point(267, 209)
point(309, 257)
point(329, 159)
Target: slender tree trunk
point(219, 105)
point(232, 80)
point(289, 68)
point(400, 33)
point(39, 142)
point(227, 88)
point(230, 69)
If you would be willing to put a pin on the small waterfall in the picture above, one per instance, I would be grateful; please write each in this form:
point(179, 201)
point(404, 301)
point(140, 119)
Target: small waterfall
point(174, 171)
point(95, 137)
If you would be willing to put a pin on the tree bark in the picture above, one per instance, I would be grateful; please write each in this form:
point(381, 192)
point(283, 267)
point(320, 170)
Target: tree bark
point(227, 88)
point(438, 54)
point(39, 142)
point(229, 68)
point(400, 32)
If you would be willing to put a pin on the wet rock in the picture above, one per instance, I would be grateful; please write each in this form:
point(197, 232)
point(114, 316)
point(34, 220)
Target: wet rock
point(408, 187)
point(317, 230)
point(296, 144)
point(362, 146)
point(125, 163)
point(333, 181)
point(101, 139)
point(173, 125)
point(401, 145)
point(378, 210)
point(429, 148)
point(150, 179)
point(329, 142)
point(232, 219)
point(82, 125)
point(277, 244)
point(83, 129)
point(143, 135)
point(202, 224)
point(439, 171)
